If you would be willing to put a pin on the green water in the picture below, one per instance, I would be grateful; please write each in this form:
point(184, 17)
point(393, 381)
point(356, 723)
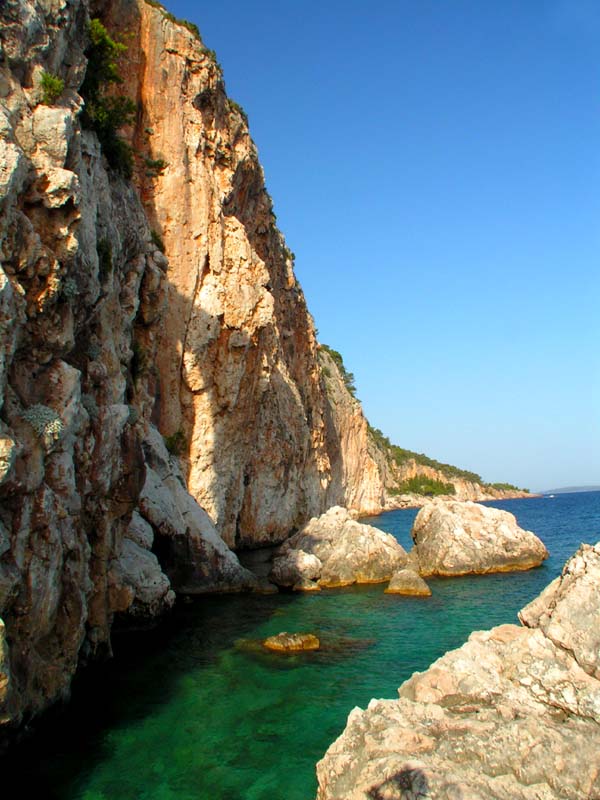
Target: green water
point(198, 710)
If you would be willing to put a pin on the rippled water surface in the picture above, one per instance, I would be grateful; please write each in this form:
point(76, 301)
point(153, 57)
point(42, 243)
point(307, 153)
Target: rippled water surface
point(197, 711)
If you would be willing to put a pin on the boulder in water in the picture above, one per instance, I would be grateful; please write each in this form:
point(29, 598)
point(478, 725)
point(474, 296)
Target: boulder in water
point(409, 583)
point(347, 551)
point(461, 538)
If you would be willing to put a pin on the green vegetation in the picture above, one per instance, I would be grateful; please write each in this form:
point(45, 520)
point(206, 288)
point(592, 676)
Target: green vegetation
point(107, 113)
point(176, 443)
point(52, 87)
point(157, 240)
point(191, 26)
point(237, 107)
point(423, 485)
point(399, 455)
point(507, 487)
point(347, 376)
point(155, 166)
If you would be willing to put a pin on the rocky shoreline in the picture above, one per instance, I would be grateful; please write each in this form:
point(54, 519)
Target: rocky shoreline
point(514, 714)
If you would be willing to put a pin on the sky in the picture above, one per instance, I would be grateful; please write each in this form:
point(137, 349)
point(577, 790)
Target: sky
point(435, 167)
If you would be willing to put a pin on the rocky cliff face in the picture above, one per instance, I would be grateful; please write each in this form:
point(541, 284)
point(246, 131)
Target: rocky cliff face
point(82, 295)
point(108, 344)
point(104, 341)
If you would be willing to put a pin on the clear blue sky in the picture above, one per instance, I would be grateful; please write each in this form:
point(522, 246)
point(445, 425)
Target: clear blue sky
point(435, 166)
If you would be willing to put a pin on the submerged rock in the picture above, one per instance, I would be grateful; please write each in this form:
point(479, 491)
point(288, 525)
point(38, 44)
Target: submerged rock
point(290, 642)
point(408, 582)
point(511, 715)
point(347, 551)
point(455, 538)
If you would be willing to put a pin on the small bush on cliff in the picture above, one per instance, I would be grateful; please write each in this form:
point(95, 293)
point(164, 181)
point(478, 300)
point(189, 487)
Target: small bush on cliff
point(238, 108)
point(175, 444)
point(106, 113)
point(52, 88)
point(155, 166)
point(191, 26)
point(347, 376)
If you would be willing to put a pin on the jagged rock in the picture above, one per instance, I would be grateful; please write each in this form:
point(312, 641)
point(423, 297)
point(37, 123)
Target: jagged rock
point(4, 673)
point(7, 456)
point(348, 551)
point(140, 531)
point(294, 567)
point(455, 538)
point(568, 610)
point(510, 715)
point(139, 587)
point(408, 582)
point(291, 642)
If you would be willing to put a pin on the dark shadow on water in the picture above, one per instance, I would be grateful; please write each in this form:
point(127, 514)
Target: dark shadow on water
point(141, 677)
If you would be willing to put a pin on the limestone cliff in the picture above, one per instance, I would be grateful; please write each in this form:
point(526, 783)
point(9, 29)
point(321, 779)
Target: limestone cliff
point(105, 340)
point(163, 304)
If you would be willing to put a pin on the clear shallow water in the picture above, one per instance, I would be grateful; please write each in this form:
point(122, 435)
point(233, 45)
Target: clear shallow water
point(198, 711)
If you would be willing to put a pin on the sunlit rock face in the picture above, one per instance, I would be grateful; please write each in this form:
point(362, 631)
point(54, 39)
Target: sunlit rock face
point(453, 538)
point(514, 713)
point(266, 447)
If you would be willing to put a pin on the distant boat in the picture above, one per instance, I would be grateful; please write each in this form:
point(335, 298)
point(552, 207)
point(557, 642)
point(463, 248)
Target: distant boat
point(550, 495)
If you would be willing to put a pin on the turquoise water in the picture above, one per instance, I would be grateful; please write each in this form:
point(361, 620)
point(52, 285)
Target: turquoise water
point(197, 711)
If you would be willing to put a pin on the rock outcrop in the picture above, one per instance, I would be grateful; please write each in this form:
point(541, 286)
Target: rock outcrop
point(514, 714)
point(336, 550)
point(453, 538)
point(408, 582)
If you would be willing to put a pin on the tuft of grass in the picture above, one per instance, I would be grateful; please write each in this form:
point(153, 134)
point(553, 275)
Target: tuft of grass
point(52, 88)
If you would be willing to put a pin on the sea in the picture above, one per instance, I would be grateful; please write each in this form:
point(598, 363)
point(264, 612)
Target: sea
point(198, 710)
